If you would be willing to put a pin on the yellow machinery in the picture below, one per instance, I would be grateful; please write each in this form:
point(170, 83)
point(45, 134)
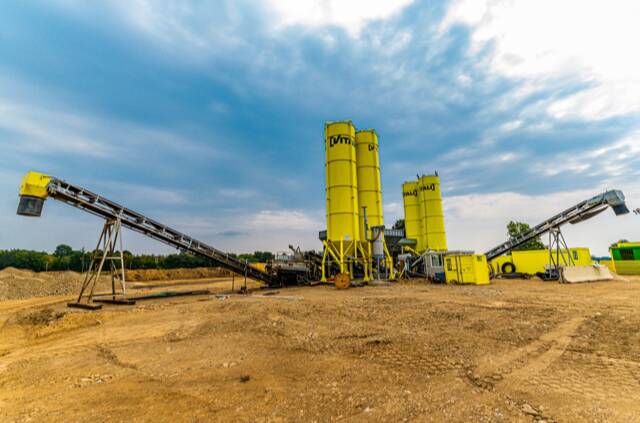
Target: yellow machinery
point(434, 237)
point(33, 192)
point(536, 261)
point(466, 268)
point(626, 258)
point(413, 214)
point(609, 264)
point(343, 217)
point(370, 199)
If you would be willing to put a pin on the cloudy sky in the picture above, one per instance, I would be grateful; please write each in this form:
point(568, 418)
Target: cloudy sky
point(209, 115)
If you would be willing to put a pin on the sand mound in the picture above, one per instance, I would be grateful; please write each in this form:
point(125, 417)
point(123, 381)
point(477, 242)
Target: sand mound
point(172, 274)
point(17, 284)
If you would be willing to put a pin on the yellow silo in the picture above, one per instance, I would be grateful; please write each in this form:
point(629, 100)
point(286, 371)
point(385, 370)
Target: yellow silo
point(342, 182)
point(342, 245)
point(434, 235)
point(413, 216)
point(369, 187)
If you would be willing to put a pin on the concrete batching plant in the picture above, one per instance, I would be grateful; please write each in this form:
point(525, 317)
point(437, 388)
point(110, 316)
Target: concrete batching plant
point(355, 221)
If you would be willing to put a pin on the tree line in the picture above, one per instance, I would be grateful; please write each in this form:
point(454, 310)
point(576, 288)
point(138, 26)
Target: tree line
point(66, 258)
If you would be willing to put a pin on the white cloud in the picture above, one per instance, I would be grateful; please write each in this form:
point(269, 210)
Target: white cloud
point(511, 126)
point(351, 15)
point(592, 42)
point(608, 163)
point(283, 219)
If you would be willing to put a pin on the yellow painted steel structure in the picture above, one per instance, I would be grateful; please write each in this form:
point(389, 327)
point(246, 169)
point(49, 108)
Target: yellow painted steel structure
point(413, 214)
point(434, 236)
point(260, 266)
point(34, 184)
point(534, 261)
point(369, 186)
point(466, 269)
point(610, 264)
point(343, 212)
point(370, 193)
point(342, 182)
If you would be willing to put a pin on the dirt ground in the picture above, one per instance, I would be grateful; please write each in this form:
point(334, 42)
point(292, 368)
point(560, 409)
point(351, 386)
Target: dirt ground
point(515, 351)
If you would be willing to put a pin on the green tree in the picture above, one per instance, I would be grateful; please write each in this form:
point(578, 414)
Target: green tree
point(63, 250)
point(399, 224)
point(516, 229)
point(263, 256)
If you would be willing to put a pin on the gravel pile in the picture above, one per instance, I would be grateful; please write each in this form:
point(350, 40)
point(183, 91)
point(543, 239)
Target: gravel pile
point(17, 284)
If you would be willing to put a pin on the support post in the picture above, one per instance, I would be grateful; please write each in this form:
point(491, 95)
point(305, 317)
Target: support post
point(324, 262)
point(108, 252)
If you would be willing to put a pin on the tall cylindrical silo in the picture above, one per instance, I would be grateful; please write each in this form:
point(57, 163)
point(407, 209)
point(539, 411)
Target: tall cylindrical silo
point(369, 187)
point(412, 213)
point(433, 223)
point(342, 182)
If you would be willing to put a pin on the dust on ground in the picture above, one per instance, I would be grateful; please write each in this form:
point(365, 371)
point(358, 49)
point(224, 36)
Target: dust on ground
point(515, 351)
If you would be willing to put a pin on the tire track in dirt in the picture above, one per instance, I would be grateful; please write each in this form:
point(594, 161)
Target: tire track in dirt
point(519, 364)
point(520, 367)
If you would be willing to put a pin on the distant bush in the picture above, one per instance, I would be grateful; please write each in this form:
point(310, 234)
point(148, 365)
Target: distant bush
point(66, 258)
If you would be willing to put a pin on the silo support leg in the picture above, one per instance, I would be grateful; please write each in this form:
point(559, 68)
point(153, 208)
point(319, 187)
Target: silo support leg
point(365, 263)
point(355, 259)
point(332, 253)
point(324, 262)
point(392, 270)
point(341, 261)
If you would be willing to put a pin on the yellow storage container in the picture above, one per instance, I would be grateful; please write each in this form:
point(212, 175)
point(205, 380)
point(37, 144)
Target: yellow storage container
point(466, 269)
point(535, 261)
point(433, 233)
point(413, 214)
point(369, 186)
point(342, 182)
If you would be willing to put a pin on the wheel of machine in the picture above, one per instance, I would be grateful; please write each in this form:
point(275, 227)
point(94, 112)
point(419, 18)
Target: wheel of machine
point(342, 281)
point(508, 268)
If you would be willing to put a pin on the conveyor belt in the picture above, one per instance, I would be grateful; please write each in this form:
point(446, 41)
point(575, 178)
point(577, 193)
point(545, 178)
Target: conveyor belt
point(578, 213)
point(90, 202)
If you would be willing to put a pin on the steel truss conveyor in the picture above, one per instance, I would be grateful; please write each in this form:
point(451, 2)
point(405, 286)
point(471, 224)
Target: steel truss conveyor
point(37, 187)
point(578, 213)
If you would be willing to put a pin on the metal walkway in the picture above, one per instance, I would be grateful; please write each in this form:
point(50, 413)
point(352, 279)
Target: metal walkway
point(578, 213)
point(90, 202)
